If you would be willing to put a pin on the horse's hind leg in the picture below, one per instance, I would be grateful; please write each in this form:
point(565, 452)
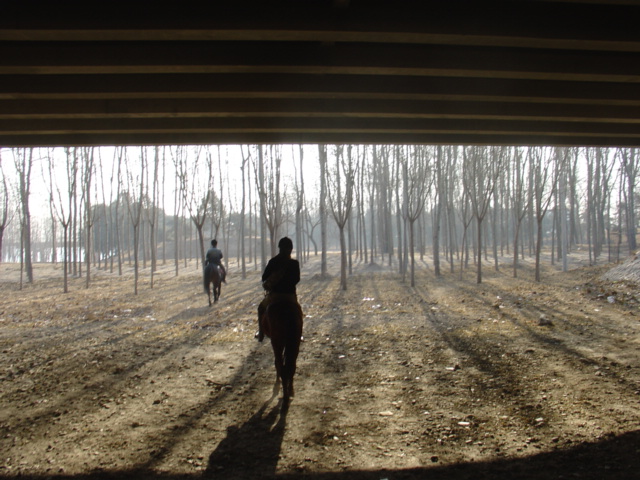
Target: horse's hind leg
point(291, 391)
point(290, 361)
point(276, 387)
point(277, 353)
point(287, 381)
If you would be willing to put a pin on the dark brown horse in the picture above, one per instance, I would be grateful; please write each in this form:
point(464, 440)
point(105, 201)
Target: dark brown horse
point(212, 275)
point(282, 323)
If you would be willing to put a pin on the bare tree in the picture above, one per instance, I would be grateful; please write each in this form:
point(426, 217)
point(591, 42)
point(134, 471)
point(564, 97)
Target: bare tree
point(217, 201)
point(574, 200)
point(361, 193)
point(340, 184)
point(599, 170)
point(135, 179)
point(300, 203)
point(604, 214)
point(562, 164)
point(6, 215)
point(196, 180)
point(630, 167)
point(440, 202)
point(322, 157)
point(269, 192)
point(312, 222)
point(113, 240)
point(372, 191)
point(543, 191)
point(23, 161)
point(519, 200)
point(221, 204)
point(52, 212)
point(495, 214)
point(417, 180)
point(87, 171)
point(259, 180)
point(243, 260)
point(401, 220)
point(105, 208)
point(592, 204)
point(119, 155)
point(465, 213)
point(480, 173)
point(451, 179)
point(176, 156)
point(152, 211)
point(63, 203)
point(384, 188)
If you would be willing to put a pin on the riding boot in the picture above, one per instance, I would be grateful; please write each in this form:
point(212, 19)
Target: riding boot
point(262, 308)
point(259, 334)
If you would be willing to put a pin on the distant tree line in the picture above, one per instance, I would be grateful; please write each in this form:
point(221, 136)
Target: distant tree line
point(464, 206)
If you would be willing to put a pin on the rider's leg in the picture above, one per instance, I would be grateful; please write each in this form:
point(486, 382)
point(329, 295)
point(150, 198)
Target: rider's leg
point(261, 309)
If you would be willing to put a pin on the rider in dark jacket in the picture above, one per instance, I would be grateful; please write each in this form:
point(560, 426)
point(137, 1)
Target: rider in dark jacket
point(279, 280)
point(214, 256)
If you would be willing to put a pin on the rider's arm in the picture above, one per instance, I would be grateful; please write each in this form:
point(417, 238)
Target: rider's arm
point(267, 271)
point(296, 276)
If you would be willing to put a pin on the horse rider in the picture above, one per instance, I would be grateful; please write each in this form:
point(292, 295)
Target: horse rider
point(279, 280)
point(214, 256)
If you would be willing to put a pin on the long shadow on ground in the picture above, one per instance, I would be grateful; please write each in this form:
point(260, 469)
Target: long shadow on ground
point(251, 450)
point(611, 459)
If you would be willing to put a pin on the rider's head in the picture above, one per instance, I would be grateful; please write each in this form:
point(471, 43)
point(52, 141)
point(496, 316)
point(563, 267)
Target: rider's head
point(214, 243)
point(285, 245)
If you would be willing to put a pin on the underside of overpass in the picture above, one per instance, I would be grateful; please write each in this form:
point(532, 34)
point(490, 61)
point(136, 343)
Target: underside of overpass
point(306, 71)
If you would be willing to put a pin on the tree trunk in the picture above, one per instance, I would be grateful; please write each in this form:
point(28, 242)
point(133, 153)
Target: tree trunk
point(322, 156)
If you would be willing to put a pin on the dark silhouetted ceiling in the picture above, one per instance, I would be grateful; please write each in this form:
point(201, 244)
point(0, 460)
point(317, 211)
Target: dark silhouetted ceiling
point(304, 71)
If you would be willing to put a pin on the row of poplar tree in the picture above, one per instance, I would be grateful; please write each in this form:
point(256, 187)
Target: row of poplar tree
point(374, 203)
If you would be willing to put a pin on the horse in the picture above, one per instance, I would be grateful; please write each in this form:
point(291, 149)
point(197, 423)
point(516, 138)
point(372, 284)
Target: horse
point(212, 275)
point(282, 323)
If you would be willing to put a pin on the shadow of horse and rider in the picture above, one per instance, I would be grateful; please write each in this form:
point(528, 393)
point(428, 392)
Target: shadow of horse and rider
point(251, 449)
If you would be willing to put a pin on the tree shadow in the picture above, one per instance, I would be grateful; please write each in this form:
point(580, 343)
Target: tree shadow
point(251, 450)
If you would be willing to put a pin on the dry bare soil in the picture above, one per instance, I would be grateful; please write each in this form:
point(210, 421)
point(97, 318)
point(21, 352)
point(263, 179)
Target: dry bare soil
point(450, 379)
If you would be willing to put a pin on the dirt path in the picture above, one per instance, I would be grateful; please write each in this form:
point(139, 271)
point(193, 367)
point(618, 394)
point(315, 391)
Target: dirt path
point(508, 379)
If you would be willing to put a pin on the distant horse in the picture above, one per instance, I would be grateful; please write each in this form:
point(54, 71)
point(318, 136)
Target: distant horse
point(212, 275)
point(282, 323)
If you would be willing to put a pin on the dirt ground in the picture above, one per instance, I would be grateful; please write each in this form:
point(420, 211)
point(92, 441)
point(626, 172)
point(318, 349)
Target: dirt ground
point(450, 379)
